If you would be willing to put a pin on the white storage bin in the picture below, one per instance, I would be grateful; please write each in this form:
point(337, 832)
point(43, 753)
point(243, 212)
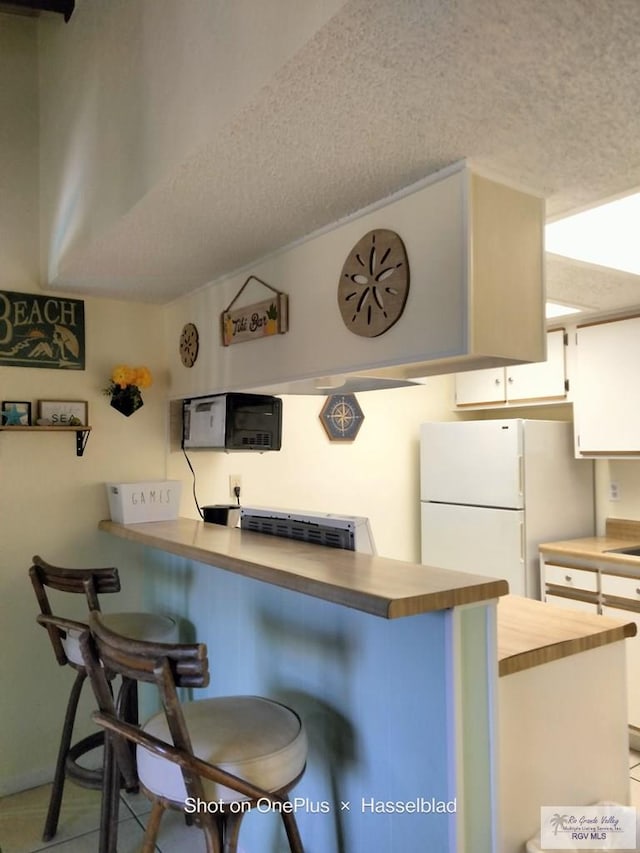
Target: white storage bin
point(154, 500)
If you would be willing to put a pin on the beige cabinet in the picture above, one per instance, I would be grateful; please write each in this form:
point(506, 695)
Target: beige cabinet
point(572, 603)
point(572, 587)
point(607, 396)
point(593, 587)
point(621, 600)
point(498, 386)
point(476, 256)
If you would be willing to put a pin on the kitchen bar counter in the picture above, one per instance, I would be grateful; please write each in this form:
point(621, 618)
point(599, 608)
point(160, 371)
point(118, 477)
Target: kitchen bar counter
point(530, 633)
point(416, 695)
point(436, 672)
point(376, 585)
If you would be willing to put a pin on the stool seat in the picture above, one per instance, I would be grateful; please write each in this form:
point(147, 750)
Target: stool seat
point(151, 627)
point(254, 738)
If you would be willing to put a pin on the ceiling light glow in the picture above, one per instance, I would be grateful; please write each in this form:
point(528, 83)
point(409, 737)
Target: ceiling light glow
point(606, 235)
point(556, 309)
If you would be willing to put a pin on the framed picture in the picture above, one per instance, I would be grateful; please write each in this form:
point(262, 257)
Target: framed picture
point(64, 412)
point(15, 413)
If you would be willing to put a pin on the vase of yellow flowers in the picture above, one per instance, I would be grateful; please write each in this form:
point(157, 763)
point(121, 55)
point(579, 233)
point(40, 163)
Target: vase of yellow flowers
point(125, 386)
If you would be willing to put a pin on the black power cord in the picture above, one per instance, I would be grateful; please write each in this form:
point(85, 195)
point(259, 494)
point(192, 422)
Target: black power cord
point(193, 473)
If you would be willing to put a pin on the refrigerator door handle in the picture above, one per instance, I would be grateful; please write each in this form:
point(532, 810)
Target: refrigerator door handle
point(522, 542)
point(521, 475)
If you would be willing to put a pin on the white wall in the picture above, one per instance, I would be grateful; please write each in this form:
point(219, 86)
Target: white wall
point(51, 500)
point(377, 475)
point(626, 473)
point(50, 504)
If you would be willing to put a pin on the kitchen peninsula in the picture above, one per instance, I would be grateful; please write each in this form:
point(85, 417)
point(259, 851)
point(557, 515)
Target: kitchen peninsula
point(398, 686)
point(601, 574)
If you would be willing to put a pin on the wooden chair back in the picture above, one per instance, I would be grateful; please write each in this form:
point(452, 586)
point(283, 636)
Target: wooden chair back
point(90, 582)
point(167, 665)
point(139, 659)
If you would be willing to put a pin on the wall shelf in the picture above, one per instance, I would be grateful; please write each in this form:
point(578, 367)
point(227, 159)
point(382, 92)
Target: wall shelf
point(82, 433)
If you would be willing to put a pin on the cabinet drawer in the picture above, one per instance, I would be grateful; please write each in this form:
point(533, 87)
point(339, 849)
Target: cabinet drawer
point(570, 578)
point(572, 603)
point(621, 587)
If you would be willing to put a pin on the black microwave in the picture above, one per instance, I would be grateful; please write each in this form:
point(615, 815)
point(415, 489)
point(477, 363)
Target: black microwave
point(232, 421)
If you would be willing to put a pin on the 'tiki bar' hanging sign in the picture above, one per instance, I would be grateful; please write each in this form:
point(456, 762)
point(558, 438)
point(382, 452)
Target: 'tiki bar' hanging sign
point(269, 317)
point(41, 331)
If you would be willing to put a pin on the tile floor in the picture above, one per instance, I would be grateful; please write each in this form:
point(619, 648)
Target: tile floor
point(22, 818)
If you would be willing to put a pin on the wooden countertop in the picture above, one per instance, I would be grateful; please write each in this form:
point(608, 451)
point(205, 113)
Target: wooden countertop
point(531, 633)
point(376, 585)
point(619, 533)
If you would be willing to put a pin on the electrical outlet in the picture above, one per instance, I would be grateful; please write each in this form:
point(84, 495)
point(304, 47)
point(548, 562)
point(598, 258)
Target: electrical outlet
point(614, 491)
point(235, 482)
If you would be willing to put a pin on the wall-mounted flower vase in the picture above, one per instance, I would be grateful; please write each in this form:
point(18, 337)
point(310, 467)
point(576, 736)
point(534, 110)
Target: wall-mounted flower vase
point(125, 388)
point(127, 400)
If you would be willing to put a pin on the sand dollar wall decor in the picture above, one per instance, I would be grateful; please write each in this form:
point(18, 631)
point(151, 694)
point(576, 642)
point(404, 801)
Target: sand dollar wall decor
point(374, 283)
point(189, 344)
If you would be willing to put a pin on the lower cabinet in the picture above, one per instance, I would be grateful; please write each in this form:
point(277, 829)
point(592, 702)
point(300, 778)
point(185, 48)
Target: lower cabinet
point(633, 663)
point(572, 603)
point(593, 589)
point(570, 587)
point(621, 600)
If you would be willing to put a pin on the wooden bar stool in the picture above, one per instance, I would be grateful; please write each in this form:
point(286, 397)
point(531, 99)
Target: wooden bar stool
point(65, 635)
point(232, 752)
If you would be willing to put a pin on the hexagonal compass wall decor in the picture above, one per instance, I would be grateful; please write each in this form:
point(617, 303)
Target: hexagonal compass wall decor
point(341, 417)
point(374, 283)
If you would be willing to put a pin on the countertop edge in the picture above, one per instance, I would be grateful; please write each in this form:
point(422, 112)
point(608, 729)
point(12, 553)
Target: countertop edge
point(436, 595)
point(532, 633)
point(566, 648)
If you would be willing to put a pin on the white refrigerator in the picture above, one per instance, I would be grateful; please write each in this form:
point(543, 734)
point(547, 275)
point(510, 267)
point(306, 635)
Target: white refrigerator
point(493, 490)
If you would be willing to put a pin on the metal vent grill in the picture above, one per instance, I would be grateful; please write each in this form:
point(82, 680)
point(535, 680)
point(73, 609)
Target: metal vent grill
point(304, 531)
point(258, 439)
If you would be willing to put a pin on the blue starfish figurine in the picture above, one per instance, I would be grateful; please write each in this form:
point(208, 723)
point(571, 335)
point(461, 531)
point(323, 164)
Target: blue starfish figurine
point(12, 416)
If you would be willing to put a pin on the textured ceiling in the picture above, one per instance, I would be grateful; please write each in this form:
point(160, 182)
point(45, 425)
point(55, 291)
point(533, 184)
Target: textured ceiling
point(545, 94)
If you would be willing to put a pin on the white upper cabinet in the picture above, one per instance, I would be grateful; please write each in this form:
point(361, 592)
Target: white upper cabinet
point(477, 387)
point(475, 299)
point(607, 396)
point(543, 381)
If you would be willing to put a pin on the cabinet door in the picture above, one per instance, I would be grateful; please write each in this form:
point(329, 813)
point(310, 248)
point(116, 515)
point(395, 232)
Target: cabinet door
point(633, 661)
point(480, 386)
point(607, 394)
point(543, 379)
